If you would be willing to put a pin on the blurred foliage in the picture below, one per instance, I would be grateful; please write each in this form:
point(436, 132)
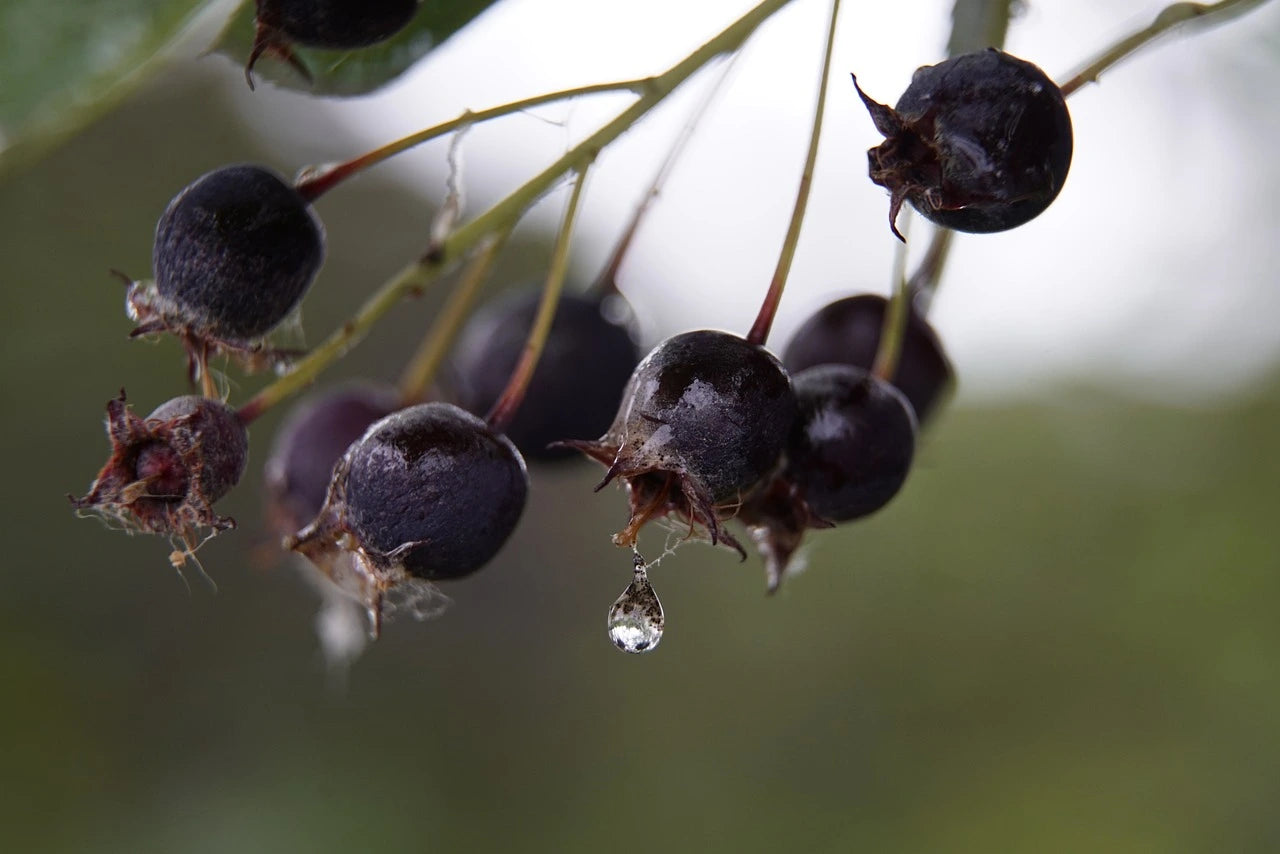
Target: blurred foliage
point(346, 72)
point(1060, 637)
point(63, 64)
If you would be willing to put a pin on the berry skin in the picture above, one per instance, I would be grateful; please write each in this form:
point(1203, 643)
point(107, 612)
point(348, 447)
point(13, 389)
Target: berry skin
point(334, 24)
point(848, 456)
point(234, 253)
point(847, 332)
point(166, 471)
point(702, 423)
point(980, 143)
point(428, 493)
point(574, 391)
point(310, 441)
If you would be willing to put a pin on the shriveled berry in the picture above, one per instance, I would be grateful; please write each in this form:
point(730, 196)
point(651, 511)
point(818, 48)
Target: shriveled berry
point(311, 440)
point(847, 332)
point(848, 455)
point(980, 142)
point(166, 471)
point(702, 423)
point(234, 253)
point(585, 364)
point(428, 493)
point(335, 24)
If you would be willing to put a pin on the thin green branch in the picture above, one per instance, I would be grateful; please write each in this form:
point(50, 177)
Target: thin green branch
point(421, 369)
point(314, 185)
point(769, 308)
point(1169, 17)
point(504, 409)
point(503, 214)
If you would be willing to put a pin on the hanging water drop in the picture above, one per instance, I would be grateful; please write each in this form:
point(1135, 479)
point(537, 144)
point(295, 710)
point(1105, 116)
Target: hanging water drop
point(636, 620)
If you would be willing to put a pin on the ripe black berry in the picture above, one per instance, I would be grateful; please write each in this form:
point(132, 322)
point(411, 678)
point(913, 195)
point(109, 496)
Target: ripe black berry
point(575, 389)
point(848, 455)
point(702, 423)
point(338, 24)
point(980, 142)
point(234, 253)
point(847, 332)
point(310, 441)
point(166, 471)
point(428, 492)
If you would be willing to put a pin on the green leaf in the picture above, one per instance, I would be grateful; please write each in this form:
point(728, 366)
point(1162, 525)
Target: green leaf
point(63, 64)
point(339, 72)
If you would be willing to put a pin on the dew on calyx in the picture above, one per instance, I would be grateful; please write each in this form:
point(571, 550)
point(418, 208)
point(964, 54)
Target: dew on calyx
point(636, 619)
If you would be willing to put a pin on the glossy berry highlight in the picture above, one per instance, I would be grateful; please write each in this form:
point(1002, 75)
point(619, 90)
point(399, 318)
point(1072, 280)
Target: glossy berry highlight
point(166, 470)
point(702, 424)
point(847, 332)
point(585, 364)
point(234, 253)
point(428, 492)
point(980, 143)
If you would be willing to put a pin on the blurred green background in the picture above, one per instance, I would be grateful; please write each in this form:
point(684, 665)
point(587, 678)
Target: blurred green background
point(1060, 637)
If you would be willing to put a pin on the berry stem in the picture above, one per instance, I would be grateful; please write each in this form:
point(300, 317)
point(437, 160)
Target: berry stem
point(422, 368)
point(923, 283)
point(893, 331)
point(769, 308)
point(503, 214)
point(607, 282)
point(1168, 18)
point(314, 185)
point(504, 408)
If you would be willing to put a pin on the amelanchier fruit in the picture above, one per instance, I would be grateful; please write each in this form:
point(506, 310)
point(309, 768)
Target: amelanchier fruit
point(334, 24)
point(980, 143)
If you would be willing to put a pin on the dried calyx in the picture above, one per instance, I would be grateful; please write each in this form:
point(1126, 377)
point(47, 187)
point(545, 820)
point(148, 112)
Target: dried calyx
point(166, 470)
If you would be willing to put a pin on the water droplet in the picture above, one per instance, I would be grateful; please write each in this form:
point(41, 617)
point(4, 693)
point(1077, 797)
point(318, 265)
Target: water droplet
point(636, 620)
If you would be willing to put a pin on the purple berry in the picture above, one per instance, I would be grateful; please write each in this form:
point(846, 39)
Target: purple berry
point(702, 424)
point(234, 254)
point(847, 332)
point(427, 493)
point(980, 142)
point(575, 389)
point(166, 471)
point(311, 440)
point(333, 24)
point(848, 456)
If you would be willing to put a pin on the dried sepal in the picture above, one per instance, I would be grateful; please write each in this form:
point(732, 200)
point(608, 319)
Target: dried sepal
point(166, 470)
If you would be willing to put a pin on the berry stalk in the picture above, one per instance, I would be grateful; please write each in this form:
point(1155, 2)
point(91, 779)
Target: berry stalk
point(505, 407)
point(422, 368)
point(503, 214)
point(318, 183)
point(1169, 17)
point(894, 330)
point(769, 308)
point(607, 282)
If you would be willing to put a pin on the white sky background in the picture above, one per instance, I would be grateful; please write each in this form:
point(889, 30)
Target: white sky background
point(1154, 270)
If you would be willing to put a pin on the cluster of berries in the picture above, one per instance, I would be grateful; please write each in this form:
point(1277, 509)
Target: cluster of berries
point(387, 496)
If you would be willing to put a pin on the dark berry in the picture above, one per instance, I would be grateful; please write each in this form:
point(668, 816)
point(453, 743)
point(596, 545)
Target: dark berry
point(702, 423)
point(428, 492)
point(853, 443)
point(310, 441)
point(334, 24)
point(166, 471)
point(848, 455)
point(847, 332)
point(234, 253)
point(980, 142)
point(575, 389)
